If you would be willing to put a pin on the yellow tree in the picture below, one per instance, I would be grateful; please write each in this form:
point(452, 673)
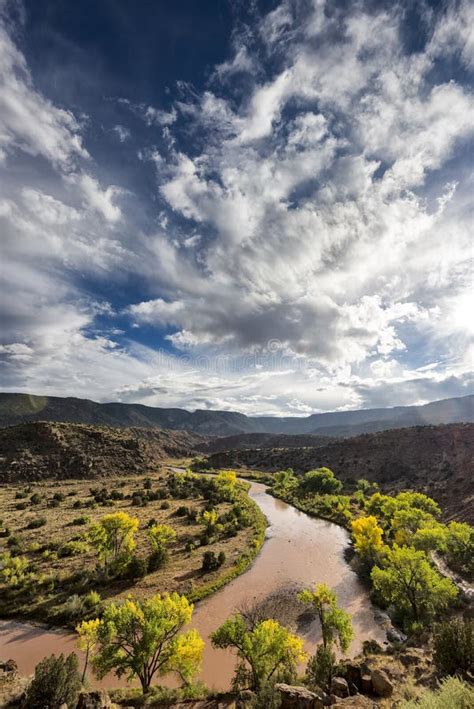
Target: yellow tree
point(159, 536)
point(367, 538)
point(87, 631)
point(113, 537)
point(266, 651)
point(141, 638)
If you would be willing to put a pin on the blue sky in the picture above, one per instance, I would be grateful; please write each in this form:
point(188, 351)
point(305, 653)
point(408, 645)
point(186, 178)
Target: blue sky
point(256, 206)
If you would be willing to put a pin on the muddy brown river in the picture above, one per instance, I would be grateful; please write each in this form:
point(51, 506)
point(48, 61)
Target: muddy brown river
point(299, 551)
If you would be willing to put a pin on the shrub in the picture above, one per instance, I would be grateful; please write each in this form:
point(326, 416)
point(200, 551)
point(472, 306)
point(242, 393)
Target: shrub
point(211, 562)
point(147, 483)
point(182, 511)
point(320, 669)
point(58, 496)
point(20, 495)
point(454, 647)
point(451, 694)
point(77, 504)
point(56, 681)
point(35, 499)
point(21, 506)
point(91, 600)
point(136, 568)
point(80, 521)
point(72, 548)
point(137, 501)
point(53, 503)
point(157, 559)
point(165, 505)
point(37, 523)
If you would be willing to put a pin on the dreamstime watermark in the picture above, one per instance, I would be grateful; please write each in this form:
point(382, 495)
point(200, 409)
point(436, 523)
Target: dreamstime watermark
point(275, 356)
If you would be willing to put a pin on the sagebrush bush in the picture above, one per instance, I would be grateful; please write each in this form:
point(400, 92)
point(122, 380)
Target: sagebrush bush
point(452, 693)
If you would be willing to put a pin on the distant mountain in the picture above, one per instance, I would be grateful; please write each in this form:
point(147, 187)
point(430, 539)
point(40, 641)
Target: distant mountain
point(437, 460)
point(41, 450)
point(20, 408)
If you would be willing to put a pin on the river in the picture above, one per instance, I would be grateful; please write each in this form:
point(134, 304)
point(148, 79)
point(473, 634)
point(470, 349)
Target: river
point(299, 551)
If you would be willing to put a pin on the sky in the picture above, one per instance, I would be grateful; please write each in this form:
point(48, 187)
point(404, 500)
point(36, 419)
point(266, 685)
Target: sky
point(260, 206)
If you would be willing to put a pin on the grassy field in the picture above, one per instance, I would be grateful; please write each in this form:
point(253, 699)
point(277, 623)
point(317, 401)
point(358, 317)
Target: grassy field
point(40, 521)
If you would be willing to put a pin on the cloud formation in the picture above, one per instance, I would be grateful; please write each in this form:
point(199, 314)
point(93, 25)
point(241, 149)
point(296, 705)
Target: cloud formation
point(310, 224)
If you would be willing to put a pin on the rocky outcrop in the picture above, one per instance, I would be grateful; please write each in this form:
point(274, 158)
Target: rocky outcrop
point(298, 697)
point(340, 687)
point(95, 700)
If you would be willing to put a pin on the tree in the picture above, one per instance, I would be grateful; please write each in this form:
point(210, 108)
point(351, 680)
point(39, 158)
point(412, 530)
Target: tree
point(454, 647)
point(336, 624)
point(160, 537)
point(407, 580)
point(367, 538)
point(406, 522)
point(141, 638)
point(87, 631)
point(210, 517)
point(266, 651)
point(56, 682)
point(460, 546)
point(285, 482)
point(322, 481)
point(430, 537)
point(113, 538)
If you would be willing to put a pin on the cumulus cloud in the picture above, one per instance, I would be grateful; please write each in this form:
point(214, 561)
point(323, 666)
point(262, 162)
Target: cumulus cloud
point(312, 226)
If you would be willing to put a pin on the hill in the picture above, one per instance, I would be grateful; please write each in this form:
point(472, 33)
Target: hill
point(243, 441)
point(20, 408)
point(437, 460)
point(36, 451)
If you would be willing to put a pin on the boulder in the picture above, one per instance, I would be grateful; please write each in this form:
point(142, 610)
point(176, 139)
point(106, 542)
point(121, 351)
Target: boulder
point(381, 684)
point(366, 683)
point(298, 697)
point(98, 699)
point(395, 636)
point(339, 687)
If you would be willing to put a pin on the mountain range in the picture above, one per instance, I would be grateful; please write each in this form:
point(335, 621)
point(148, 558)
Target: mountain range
point(21, 408)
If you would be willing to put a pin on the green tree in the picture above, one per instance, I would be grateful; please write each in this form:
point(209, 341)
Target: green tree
point(321, 666)
point(285, 482)
point(113, 537)
point(322, 481)
point(460, 546)
point(266, 651)
point(454, 647)
point(142, 638)
point(336, 624)
point(56, 681)
point(408, 580)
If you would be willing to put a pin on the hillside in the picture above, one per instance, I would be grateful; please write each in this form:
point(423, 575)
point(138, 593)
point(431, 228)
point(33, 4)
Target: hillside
point(36, 451)
point(249, 441)
point(21, 408)
point(438, 460)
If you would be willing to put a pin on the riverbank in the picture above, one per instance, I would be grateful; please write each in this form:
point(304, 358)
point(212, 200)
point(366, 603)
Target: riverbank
point(299, 551)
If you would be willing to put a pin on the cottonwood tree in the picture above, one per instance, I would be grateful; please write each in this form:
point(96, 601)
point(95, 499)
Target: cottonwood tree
point(367, 538)
point(322, 481)
point(87, 632)
point(113, 538)
point(266, 651)
point(336, 623)
point(160, 536)
point(407, 580)
point(142, 639)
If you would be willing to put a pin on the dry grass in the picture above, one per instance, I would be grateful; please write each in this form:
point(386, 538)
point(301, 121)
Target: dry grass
point(182, 573)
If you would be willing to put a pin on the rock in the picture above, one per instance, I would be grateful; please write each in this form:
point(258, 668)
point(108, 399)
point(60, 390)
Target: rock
point(366, 684)
point(353, 674)
point(381, 684)
point(98, 699)
point(395, 636)
point(409, 658)
point(8, 666)
point(298, 697)
point(339, 687)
